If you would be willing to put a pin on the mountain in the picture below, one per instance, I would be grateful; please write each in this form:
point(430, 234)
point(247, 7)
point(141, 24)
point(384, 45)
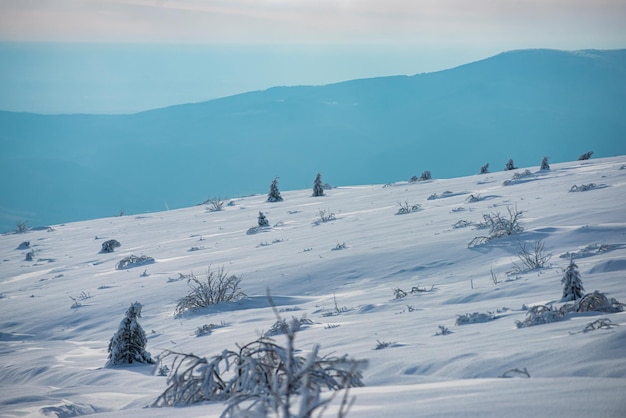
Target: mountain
point(522, 105)
point(370, 283)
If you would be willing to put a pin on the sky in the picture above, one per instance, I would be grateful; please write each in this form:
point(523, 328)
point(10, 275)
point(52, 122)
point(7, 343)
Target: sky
point(176, 47)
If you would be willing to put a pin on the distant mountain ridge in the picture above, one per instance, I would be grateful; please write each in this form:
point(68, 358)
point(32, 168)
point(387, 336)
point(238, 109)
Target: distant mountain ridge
point(520, 104)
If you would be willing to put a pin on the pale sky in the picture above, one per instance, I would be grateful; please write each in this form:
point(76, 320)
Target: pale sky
point(156, 53)
point(564, 24)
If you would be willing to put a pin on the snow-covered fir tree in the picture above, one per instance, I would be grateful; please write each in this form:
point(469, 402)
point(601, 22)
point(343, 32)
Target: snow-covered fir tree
point(128, 344)
point(510, 165)
point(318, 188)
point(572, 283)
point(274, 193)
point(544, 163)
point(484, 169)
point(263, 220)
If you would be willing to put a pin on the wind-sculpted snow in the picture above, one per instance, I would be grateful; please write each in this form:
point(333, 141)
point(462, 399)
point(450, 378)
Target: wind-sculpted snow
point(386, 297)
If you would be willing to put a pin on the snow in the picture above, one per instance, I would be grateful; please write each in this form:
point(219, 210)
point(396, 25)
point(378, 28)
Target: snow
point(59, 311)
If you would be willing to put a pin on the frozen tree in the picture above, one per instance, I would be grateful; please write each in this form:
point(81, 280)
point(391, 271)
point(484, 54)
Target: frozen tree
point(572, 283)
point(263, 220)
point(544, 163)
point(510, 166)
point(128, 344)
point(484, 169)
point(318, 188)
point(425, 176)
point(274, 194)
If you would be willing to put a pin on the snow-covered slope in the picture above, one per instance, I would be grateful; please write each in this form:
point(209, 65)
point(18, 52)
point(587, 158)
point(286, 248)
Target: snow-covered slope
point(58, 311)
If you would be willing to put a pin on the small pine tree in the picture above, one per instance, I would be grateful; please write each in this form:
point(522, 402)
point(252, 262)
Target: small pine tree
point(484, 169)
point(128, 344)
point(510, 166)
point(274, 194)
point(425, 176)
point(318, 188)
point(544, 164)
point(263, 220)
point(572, 283)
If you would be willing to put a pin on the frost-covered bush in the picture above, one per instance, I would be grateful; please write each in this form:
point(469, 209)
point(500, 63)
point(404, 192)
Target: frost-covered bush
point(260, 378)
point(274, 193)
point(133, 261)
point(318, 187)
point(540, 314)
point(510, 165)
point(484, 169)
point(30, 255)
point(109, 246)
point(585, 156)
point(589, 251)
point(583, 187)
point(499, 226)
point(572, 283)
point(544, 164)
point(127, 346)
point(262, 220)
point(475, 318)
point(594, 302)
point(425, 176)
point(280, 326)
point(518, 178)
point(591, 302)
point(218, 287)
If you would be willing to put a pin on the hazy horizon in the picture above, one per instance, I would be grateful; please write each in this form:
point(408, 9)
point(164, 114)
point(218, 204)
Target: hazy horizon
point(126, 56)
point(119, 78)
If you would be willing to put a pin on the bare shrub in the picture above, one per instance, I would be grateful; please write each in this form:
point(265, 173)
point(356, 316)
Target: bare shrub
point(499, 226)
point(584, 187)
point(407, 208)
point(461, 223)
point(324, 216)
point(218, 287)
point(21, 227)
point(516, 372)
point(383, 344)
point(261, 376)
point(473, 198)
point(443, 331)
point(494, 278)
point(215, 204)
point(532, 259)
point(279, 327)
point(602, 323)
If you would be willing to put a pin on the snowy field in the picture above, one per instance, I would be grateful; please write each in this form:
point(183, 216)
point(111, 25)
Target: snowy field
point(59, 310)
